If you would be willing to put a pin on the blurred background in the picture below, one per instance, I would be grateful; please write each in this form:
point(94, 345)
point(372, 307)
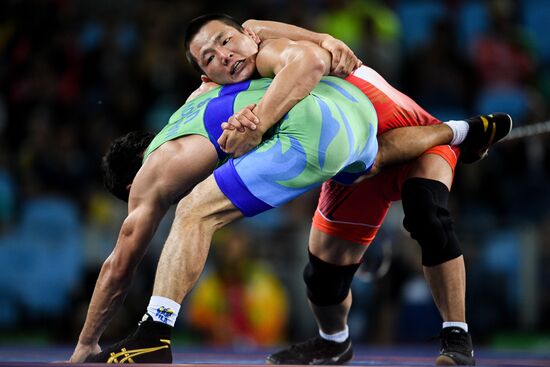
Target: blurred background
point(76, 74)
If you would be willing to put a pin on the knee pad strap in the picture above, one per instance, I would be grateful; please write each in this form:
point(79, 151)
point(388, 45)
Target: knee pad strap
point(327, 284)
point(428, 220)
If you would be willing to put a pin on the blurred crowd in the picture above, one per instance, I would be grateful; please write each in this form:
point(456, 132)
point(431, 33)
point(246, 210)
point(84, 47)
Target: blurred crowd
point(74, 75)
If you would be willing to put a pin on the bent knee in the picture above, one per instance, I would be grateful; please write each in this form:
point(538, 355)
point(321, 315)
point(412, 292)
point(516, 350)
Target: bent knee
point(428, 220)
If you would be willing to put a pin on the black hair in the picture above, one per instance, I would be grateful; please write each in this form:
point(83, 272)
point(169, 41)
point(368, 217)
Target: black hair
point(195, 26)
point(123, 160)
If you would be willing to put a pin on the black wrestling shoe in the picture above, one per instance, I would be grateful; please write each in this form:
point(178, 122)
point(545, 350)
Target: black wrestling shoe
point(456, 348)
point(150, 343)
point(485, 130)
point(314, 351)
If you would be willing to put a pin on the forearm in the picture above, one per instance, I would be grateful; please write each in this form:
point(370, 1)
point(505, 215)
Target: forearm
point(268, 29)
point(118, 270)
point(109, 294)
point(343, 60)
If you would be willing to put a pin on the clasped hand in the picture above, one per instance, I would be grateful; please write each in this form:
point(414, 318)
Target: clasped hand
point(344, 61)
point(240, 132)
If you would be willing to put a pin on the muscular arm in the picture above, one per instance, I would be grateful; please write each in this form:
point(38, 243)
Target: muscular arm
point(145, 210)
point(266, 29)
point(296, 68)
point(119, 268)
point(167, 175)
point(344, 60)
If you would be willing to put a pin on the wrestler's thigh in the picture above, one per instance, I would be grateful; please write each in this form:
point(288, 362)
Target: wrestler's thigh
point(335, 250)
point(207, 201)
point(348, 217)
point(434, 167)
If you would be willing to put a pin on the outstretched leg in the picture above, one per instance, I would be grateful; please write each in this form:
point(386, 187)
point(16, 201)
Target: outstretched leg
point(401, 145)
point(474, 135)
point(182, 260)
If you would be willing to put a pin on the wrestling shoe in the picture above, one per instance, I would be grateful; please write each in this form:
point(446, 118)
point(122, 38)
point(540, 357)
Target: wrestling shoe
point(314, 351)
point(150, 343)
point(485, 130)
point(456, 348)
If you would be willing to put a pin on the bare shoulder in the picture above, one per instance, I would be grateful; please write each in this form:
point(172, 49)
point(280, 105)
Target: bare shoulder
point(176, 166)
point(274, 54)
point(271, 55)
point(279, 45)
point(273, 48)
point(270, 45)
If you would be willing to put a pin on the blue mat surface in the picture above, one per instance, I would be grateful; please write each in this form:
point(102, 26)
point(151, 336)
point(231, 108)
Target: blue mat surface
point(364, 356)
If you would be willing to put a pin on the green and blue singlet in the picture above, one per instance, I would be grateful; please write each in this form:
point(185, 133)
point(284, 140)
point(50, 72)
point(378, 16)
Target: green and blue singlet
point(331, 132)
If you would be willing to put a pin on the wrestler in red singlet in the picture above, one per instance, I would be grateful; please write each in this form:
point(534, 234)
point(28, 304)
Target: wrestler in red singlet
point(355, 213)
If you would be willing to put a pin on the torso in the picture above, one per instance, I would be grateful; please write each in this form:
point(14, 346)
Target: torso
point(330, 131)
point(204, 115)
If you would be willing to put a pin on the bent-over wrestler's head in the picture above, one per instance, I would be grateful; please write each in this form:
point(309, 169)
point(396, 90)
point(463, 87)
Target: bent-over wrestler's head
point(122, 162)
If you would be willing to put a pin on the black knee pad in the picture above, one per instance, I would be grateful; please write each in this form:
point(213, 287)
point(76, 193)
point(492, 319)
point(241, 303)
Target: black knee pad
point(327, 284)
point(428, 220)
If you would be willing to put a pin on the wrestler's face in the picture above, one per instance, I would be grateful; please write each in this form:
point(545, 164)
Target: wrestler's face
point(225, 54)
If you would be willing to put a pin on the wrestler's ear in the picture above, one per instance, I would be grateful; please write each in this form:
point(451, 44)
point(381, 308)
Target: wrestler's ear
point(249, 32)
point(205, 79)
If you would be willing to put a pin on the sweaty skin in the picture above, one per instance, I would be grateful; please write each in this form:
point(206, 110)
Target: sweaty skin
point(167, 175)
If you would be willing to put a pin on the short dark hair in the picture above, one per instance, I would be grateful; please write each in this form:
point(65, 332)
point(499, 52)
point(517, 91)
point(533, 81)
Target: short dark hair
point(123, 160)
point(195, 26)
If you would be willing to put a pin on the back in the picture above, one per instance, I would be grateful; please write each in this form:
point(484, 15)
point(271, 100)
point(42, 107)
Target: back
point(205, 114)
point(330, 131)
point(336, 121)
point(324, 119)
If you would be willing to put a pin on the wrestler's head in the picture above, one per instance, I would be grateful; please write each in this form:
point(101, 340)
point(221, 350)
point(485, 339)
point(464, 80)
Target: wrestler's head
point(221, 48)
point(122, 162)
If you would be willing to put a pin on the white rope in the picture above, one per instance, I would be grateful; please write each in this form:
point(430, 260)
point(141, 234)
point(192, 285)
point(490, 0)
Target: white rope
point(528, 130)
